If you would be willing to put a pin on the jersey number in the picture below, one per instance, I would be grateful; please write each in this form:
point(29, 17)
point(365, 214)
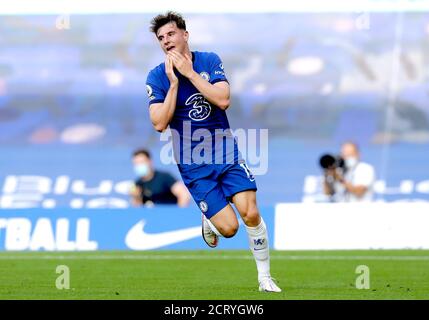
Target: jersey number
point(200, 107)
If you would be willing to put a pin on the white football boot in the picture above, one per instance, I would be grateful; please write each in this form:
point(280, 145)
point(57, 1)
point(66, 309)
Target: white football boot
point(211, 238)
point(268, 285)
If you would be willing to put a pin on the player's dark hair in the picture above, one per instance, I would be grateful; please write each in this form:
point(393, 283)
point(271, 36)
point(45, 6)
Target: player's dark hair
point(162, 19)
point(143, 152)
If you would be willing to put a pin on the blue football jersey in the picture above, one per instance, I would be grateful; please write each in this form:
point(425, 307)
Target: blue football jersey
point(204, 134)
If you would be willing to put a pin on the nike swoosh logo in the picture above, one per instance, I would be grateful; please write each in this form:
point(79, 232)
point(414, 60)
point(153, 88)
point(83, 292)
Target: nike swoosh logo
point(138, 239)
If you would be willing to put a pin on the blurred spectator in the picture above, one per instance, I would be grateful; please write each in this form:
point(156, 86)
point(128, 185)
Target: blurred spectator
point(354, 181)
point(153, 186)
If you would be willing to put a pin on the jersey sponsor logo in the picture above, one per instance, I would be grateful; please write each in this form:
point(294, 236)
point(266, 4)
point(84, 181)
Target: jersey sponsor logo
point(205, 75)
point(203, 206)
point(200, 107)
point(138, 239)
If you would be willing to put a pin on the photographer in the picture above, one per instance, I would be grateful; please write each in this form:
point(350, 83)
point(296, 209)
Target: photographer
point(347, 179)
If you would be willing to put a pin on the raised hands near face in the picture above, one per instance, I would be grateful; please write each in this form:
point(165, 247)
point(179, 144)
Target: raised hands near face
point(183, 63)
point(170, 71)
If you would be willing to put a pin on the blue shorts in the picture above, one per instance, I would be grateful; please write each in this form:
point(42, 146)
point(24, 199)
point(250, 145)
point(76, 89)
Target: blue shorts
point(213, 185)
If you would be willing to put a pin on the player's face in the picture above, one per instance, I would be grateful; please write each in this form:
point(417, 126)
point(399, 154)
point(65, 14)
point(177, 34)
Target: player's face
point(172, 38)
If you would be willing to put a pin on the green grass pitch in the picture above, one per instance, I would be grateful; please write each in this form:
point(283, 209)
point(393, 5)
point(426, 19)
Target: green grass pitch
point(214, 274)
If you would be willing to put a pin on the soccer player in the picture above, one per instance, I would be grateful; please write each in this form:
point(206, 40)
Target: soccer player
point(189, 93)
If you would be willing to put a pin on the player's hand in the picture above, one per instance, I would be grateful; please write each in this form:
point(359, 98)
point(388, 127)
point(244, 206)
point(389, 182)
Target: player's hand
point(170, 71)
point(182, 63)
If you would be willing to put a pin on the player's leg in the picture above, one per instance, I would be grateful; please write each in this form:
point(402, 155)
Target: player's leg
point(239, 185)
point(218, 217)
point(224, 222)
point(245, 202)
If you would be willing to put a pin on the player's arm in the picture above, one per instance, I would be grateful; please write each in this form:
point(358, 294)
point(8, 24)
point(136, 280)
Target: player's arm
point(181, 193)
point(217, 94)
point(162, 113)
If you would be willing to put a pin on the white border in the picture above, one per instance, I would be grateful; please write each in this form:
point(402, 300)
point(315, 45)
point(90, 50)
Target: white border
point(27, 7)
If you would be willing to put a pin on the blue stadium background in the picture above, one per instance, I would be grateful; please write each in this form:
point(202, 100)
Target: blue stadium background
point(73, 102)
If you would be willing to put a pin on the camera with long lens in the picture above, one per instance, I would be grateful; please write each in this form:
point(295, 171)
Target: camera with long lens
point(328, 161)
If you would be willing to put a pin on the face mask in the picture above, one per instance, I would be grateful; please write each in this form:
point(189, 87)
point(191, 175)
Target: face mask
point(141, 170)
point(351, 162)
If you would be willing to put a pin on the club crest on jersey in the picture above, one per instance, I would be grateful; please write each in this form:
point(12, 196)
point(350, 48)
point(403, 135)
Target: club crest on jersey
point(205, 75)
point(203, 206)
point(200, 107)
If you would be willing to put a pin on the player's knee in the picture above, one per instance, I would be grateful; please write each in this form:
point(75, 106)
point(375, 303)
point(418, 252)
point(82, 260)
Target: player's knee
point(230, 230)
point(251, 216)
point(229, 233)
